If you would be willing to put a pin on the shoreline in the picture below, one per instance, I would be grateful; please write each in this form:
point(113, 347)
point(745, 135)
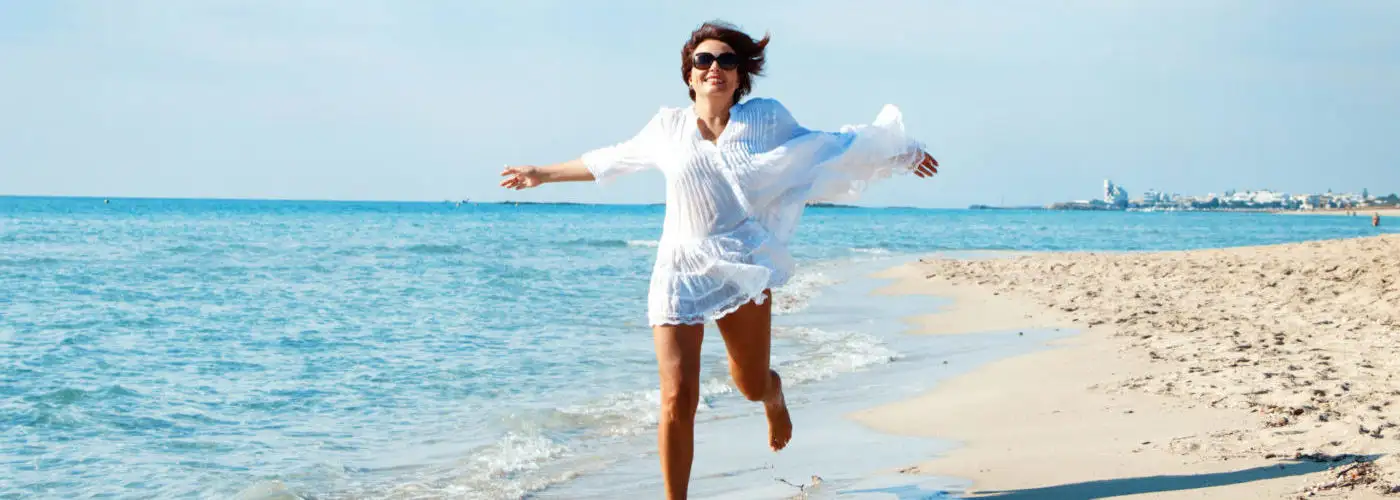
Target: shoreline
point(1148, 404)
point(732, 457)
point(1360, 212)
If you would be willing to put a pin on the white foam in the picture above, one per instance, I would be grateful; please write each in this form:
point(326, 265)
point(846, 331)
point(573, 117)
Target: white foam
point(826, 354)
point(799, 291)
point(632, 412)
point(821, 355)
point(513, 467)
point(643, 243)
point(516, 453)
point(267, 490)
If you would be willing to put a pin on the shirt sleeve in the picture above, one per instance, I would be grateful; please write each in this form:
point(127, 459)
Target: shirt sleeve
point(785, 125)
point(825, 166)
point(639, 153)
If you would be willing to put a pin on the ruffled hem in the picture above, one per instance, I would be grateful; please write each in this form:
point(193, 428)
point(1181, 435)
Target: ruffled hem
point(703, 279)
point(702, 318)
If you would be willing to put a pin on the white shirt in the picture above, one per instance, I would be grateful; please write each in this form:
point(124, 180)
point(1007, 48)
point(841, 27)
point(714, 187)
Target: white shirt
point(732, 206)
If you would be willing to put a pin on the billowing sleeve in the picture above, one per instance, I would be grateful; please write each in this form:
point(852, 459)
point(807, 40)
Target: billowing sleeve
point(640, 152)
point(818, 166)
point(842, 164)
point(815, 166)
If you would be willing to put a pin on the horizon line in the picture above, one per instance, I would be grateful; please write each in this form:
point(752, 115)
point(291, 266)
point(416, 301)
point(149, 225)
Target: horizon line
point(420, 201)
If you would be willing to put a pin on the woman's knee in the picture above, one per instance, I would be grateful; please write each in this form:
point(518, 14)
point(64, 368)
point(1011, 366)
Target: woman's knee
point(678, 359)
point(679, 399)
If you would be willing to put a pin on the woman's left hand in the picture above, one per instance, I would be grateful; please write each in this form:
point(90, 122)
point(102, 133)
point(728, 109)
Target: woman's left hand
point(927, 167)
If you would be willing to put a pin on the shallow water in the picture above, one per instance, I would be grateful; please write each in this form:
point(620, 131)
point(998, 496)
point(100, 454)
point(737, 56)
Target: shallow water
point(202, 348)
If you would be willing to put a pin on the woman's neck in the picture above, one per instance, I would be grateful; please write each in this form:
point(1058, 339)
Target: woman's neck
point(713, 109)
point(713, 115)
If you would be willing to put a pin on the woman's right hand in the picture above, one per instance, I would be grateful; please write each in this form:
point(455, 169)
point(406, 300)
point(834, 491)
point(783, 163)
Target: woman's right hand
point(526, 176)
point(928, 167)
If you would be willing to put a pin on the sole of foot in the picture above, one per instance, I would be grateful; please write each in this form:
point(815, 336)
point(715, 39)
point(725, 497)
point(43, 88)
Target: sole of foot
point(779, 421)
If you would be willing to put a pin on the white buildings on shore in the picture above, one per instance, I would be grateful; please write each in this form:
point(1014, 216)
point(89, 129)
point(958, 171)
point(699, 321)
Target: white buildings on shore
point(1262, 197)
point(1115, 197)
point(1308, 201)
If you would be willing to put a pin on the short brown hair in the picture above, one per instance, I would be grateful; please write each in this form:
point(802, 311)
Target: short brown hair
point(749, 50)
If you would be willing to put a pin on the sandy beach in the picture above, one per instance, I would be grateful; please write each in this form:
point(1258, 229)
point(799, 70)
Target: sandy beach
point(1258, 372)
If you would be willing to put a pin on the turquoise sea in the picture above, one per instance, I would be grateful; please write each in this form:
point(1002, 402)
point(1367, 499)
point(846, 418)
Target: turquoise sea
point(155, 348)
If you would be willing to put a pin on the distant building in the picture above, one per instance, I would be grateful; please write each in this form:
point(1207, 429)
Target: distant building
point(1268, 198)
point(1114, 195)
point(1256, 199)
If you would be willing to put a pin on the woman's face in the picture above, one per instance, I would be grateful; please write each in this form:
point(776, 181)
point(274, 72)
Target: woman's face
point(715, 69)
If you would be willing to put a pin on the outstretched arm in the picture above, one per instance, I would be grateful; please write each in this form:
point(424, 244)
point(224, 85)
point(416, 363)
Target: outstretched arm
point(528, 176)
point(635, 154)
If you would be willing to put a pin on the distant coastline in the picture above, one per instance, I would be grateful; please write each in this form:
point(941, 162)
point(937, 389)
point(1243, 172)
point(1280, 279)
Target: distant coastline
point(1393, 210)
point(1114, 198)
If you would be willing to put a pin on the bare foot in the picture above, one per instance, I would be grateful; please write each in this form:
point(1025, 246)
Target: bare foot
point(779, 422)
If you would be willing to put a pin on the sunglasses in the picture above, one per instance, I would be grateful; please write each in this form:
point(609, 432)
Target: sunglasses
point(727, 60)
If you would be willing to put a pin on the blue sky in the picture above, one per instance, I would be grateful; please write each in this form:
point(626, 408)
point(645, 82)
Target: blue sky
point(1025, 102)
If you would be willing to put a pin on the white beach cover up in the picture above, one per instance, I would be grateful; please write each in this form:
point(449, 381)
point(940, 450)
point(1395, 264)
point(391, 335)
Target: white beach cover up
point(732, 206)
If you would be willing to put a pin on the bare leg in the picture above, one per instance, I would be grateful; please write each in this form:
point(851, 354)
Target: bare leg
point(678, 361)
point(748, 337)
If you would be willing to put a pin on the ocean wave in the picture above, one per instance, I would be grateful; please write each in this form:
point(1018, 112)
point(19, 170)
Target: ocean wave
point(183, 249)
point(73, 395)
point(46, 417)
point(29, 261)
point(826, 354)
point(822, 355)
point(584, 242)
point(526, 459)
point(64, 396)
point(632, 412)
point(432, 249)
point(800, 290)
point(597, 243)
point(494, 467)
point(513, 467)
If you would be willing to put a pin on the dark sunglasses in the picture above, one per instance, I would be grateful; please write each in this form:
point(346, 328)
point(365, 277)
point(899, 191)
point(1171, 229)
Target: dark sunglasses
point(727, 60)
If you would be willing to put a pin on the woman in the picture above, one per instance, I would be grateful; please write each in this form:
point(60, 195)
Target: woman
point(738, 175)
